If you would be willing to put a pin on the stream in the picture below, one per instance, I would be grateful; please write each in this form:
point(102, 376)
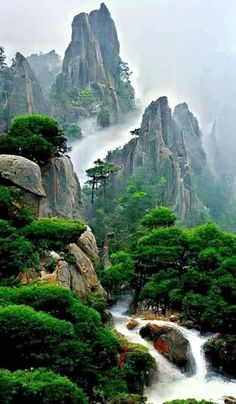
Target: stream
point(169, 383)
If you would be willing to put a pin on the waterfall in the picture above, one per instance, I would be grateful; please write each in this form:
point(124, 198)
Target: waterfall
point(169, 383)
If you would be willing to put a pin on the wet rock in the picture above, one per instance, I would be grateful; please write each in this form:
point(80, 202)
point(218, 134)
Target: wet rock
point(170, 342)
point(174, 318)
point(132, 324)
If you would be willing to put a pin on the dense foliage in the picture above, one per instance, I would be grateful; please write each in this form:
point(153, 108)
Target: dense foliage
point(53, 233)
point(23, 237)
point(188, 401)
point(192, 270)
point(36, 137)
point(41, 386)
point(222, 353)
point(35, 320)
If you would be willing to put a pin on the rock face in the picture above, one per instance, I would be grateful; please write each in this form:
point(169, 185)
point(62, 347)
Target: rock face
point(46, 67)
point(160, 145)
point(52, 190)
point(92, 62)
point(22, 172)
point(24, 95)
point(188, 124)
point(55, 192)
point(25, 175)
point(62, 189)
point(79, 275)
point(170, 342)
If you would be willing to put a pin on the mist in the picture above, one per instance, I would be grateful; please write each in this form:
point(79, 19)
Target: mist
point(183, 49)
point(96, 143)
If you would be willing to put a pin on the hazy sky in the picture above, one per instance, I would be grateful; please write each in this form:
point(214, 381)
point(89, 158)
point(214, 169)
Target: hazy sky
point(174, 47)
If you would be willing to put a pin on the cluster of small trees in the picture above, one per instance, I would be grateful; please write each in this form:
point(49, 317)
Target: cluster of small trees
point(192, 270)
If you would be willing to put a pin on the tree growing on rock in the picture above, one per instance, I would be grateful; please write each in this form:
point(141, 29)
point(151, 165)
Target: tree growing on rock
point(36, 137)
point(99, 174)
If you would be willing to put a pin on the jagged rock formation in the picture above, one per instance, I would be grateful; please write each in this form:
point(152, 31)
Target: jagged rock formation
point(46, 67)
point(62, 189)
point(92, 62)
point(192, 136)
point(54, 190)
point(24, 93)
point(80, 275)
point(161, 146)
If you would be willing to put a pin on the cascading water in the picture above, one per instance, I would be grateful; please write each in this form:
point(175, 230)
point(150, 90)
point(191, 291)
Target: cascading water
point(169, 383)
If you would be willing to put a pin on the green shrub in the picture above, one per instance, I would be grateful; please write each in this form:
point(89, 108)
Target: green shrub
point(17, 254)
point(54, 233)
point(36, 137)
point(104, 117)
point(188, 401)
point(39, 386)
point(12, 207)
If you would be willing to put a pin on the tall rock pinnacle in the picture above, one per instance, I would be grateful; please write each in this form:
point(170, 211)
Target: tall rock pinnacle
point(92, 62)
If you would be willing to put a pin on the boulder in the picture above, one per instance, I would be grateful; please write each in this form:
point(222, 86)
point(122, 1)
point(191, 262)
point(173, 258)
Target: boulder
point(132, 323)
point(229, 400)
point(85, 267)
point(170, 342)
point(88, 244)
point(22, 172)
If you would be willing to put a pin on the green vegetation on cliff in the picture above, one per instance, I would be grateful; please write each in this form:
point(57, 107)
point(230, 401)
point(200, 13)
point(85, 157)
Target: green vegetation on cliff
point(36, 137)
point(23, 237)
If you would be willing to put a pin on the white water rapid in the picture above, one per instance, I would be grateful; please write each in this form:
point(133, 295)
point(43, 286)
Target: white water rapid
point(169, 383)
point(96, 143)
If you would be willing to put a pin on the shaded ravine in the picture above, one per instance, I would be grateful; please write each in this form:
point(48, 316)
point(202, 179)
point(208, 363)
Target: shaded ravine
point(169, 383)
point(97, 142)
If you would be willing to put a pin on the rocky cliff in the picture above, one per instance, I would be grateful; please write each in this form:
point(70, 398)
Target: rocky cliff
point(161, 146)
point(24, 93)
point(192, 136)
point(54, 190)
point(62, 189)
point(92, 62)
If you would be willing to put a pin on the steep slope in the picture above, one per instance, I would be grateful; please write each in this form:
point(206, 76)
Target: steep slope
point(92, 62)
point(188, 124)
point(170, 152)
point(23, 94)
point(49, 191)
